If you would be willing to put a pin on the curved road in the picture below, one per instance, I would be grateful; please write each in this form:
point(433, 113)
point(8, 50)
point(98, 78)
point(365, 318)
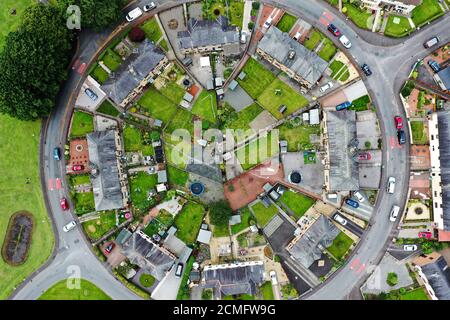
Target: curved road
point(390, 61)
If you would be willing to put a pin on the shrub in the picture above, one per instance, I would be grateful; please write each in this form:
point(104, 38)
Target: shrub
point(136, 34)
point(220, 213)
point(250, 25)
point(392, 279)
point(146, 280)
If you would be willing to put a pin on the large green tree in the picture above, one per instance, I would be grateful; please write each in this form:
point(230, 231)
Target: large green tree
point(97, 14)
point(34, 63)
point(220, 213)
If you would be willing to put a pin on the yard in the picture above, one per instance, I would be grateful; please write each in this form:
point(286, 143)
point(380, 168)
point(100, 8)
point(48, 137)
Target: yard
point(267, 291)
point(297, 202)
point(328, 50)
point(206, 106)
point(177, 152)
point(134, 141)
point(257, 151)
point(87, 291)
point(188, 222)
point(246, 216)
point(83, 202)
point(99, 74)
point(112, 60)
point(213, 8)
point(157, 105)
point(286, 22)
point(107, 108)
point(242, 119)
point(182, 119)
point(360, 104)
point(173, 92)
point(176, 176)
point(79, 179)
point(278, 93)
point(313, 39)
point(340, 246)
point(418, 132)
point(257, 80)
point(339, 71)
point(152, 30)
point(397, 26)
point(262, 214)
point(427, 11)
point(140, 184)
point(96, 228)
point(416, 294)
point(298, 137)
point(82, 124)
point(358, 16)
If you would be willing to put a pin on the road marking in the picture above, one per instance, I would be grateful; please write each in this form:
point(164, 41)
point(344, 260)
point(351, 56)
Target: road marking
point(361, 269)
point(50, 184)
point(324, 21)
point(328, 15)
point(355, 263)
point(392, 142)
point(58, 183)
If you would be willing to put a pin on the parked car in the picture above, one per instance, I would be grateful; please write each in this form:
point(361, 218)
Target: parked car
point(390, 185)
point(179, 270)
point(91, 94)
point(64, 204)
point(56, 153)
point(273, 277)
point(365, 68)
point(297, 36)
point(401, 136)
point(109, 247)
point(77, 167)
point(352, 203)
point(425, 234)
point(409, 247)
point(134, 14)
point(398, 122)
point(343, 106)
point(339, 219)
point(334, 30)
point(69, 226)
point(243, 37)
point(326, 86)
point(364, 156)
point(358, 196)
point(268, 22)
point(149, 6)
point(345, 42)
point(431, 42)
point(394, 213)
point(434, 65)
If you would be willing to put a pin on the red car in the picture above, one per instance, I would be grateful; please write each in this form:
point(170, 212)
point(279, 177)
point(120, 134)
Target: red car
point(77, 167)
point(64, 204)
point(425, 234)
point(109, 247)
point(364, 156)
point(335, 31)
point(398, 122)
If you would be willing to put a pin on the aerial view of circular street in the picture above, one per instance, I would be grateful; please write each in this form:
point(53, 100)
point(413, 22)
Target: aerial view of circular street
point(225, 150)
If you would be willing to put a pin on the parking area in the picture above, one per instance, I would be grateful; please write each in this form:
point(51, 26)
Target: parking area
point(350, 225)
point(367, 130)
point(399, 253)
point(364, 210)
point(173, 22)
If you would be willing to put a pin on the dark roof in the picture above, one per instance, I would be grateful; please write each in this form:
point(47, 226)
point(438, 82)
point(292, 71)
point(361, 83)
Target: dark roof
point(105, 179)
point(444, 150)
point(133, 71)
point(444, 75)
point(308, 248)
point(438, 275)
point(142, 251)
point(305, 63)
point(203, 33)
point(159, 154)
point(123, 236)
point(233, 279)
point(344, 173)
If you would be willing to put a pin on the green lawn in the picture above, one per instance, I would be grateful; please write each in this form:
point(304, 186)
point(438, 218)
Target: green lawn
point(328, 50)
point(339, 70)
point(87, 291)
point(9, 22)
point(176, 176)
point(257, 80)
point(286, 22)
point(358, 16)
point(107, 108)
point(157, 105)
point(297, 202)
point(79, 179)
point(236, 12)
point(221, 231)
point(427, 11)
point(19, 149)
point(140, 184)
point(177, 152)
point(112, 60)
point(239, 297)
point(99, 74)
point(416, 294)
point(397, 30)
point(132, 139)
point(313, 39)
point(340, 246)
point(243, 118)
point(82, 124)
point(182, 119)
point(263, 214)
point(298, 138)
point(271, 100)
point(188, 222)
point(173, 92)
point(257, 151)
point(206, 106)
point(267, 291)
point(245, 221)
point(418, 132)
point(152, 30)
point(84, 202)
point(95, 229)
point(360, 104)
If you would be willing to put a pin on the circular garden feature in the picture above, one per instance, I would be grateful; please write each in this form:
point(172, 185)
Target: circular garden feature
point(17, 241)
point(197, 188)
point(146, 280)
point(295, 177)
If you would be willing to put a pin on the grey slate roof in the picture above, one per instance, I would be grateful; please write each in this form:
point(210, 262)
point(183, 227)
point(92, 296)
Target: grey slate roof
point(444, 150)
point(105, 183)
point(344, 174)
point(320, 234)
point(123, 236)
point(203, 33)
point(444, 75)
point(234, 279)
point(305, 63)
point(147, 255)
point(438, 275)
point(133, 71)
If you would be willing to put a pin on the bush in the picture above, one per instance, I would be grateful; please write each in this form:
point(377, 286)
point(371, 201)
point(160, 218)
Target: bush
point(207, 294)
point(250, 25)
point(146, 280)
point(136, 34)
point(220, 213)
point(392, 279)
point(407, 88)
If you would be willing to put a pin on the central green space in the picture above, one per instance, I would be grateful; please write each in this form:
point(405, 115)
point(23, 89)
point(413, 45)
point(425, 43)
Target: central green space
point(87, 291)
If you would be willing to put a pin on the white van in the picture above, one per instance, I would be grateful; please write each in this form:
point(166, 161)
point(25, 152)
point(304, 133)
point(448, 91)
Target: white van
point(268, 22)
point(134, 14)
point(394, 213)
point(345, 42)
point(390, 185)
point(433, 41)
point(243, 38)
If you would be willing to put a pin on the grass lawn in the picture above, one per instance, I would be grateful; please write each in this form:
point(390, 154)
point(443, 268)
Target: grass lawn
point(358, 16)
point(82, 124)
point(245, 219)
point(99, 74)
point(297, 202)
point(258, 78)
point(19, 149)
point(206, 106)
point(173, 92)
point(286, 22)
point(340, 246)
point(95, 229)
point(427, 11)
point(112, 60)
point(272, 101)
point(221, 231)
point(9, 22)
point(87, 291)
point(107, 108)
point(177, 152)
point(313, 39)
point(298, 138)
point(79, 179)
point(132, 139)
point(328, 50)
point(267, 291)
point(236, 12)
point(152, 30)
point(182, 119)
point(139, 186)
point(84, 202)
point(177, 176)
point(397, 30)
point(339, 70)
point(360, 104)
point(188, 222)
point(416, 294)
point(257, 151)
point(263, 214)
point(157, 105)
point(239, 297)
point(244, 117)
point(418, 132)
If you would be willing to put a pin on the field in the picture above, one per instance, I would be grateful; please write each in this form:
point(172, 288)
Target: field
point(286, 22)
point(262, 214)
point(397, 30)
point(206, 106)
point(427, 11)
point(340, 246)
point(257, 151)
point(19, 147)
point(257, 79)
point(9, 22)
point(158, 105)
point(188, 222)
point(82, 124)
point(297, 202)
point(298, 138)
point(88, 291)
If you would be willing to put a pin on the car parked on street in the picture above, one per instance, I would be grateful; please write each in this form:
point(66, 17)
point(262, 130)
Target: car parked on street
point(64, 204)
point(431, 42)
point(109, 247)
point(334, 30)
point(149, 6)
point(425, 234)
point(326, 86)
point(401, 136)
point(179, 270)
point(365, 68)
point(391, 185)
point(398, 122)
point(69, 226)
point(77, 167)
point(364, 156)
point(434, 65)
point(56, 153)
point(409, 247)
point(394, 213)
point(340, 219)
point(273, 277)
point(345, 42)
point(134, 14)
point(352, 203)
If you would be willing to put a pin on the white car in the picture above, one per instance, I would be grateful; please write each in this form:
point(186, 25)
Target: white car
point(297, 36)
point(345, 42)
point(409, 247)
point(149, 6)
point(243, 37)
point(394, 213)
point(69, 226)
point(268, 22)
point(339, 219)
point(273, 277)
point(391, 185)
point(134, 14)
point(358, 196)
point(326, 86)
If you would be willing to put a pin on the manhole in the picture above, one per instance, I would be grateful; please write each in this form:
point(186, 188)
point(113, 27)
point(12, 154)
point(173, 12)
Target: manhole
point(295, 177)
point(197, 188)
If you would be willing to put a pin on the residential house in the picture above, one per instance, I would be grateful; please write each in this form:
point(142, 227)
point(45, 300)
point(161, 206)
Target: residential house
point(434, 271)
point(404, 7)
point(442, 78)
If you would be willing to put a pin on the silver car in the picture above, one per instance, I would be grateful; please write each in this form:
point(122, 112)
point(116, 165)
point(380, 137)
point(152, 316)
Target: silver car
point(69, 226)
point(341, 220)
point(409, 247)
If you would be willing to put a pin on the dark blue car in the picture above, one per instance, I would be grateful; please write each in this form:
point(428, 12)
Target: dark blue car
point(352, 203)
point(343, 106)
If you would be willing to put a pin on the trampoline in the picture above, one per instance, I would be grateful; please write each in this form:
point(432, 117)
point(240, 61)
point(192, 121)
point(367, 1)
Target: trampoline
point(197, 188)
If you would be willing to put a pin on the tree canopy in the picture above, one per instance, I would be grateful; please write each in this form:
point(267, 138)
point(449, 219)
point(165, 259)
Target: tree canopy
point(34, 63)
point(220, 213)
